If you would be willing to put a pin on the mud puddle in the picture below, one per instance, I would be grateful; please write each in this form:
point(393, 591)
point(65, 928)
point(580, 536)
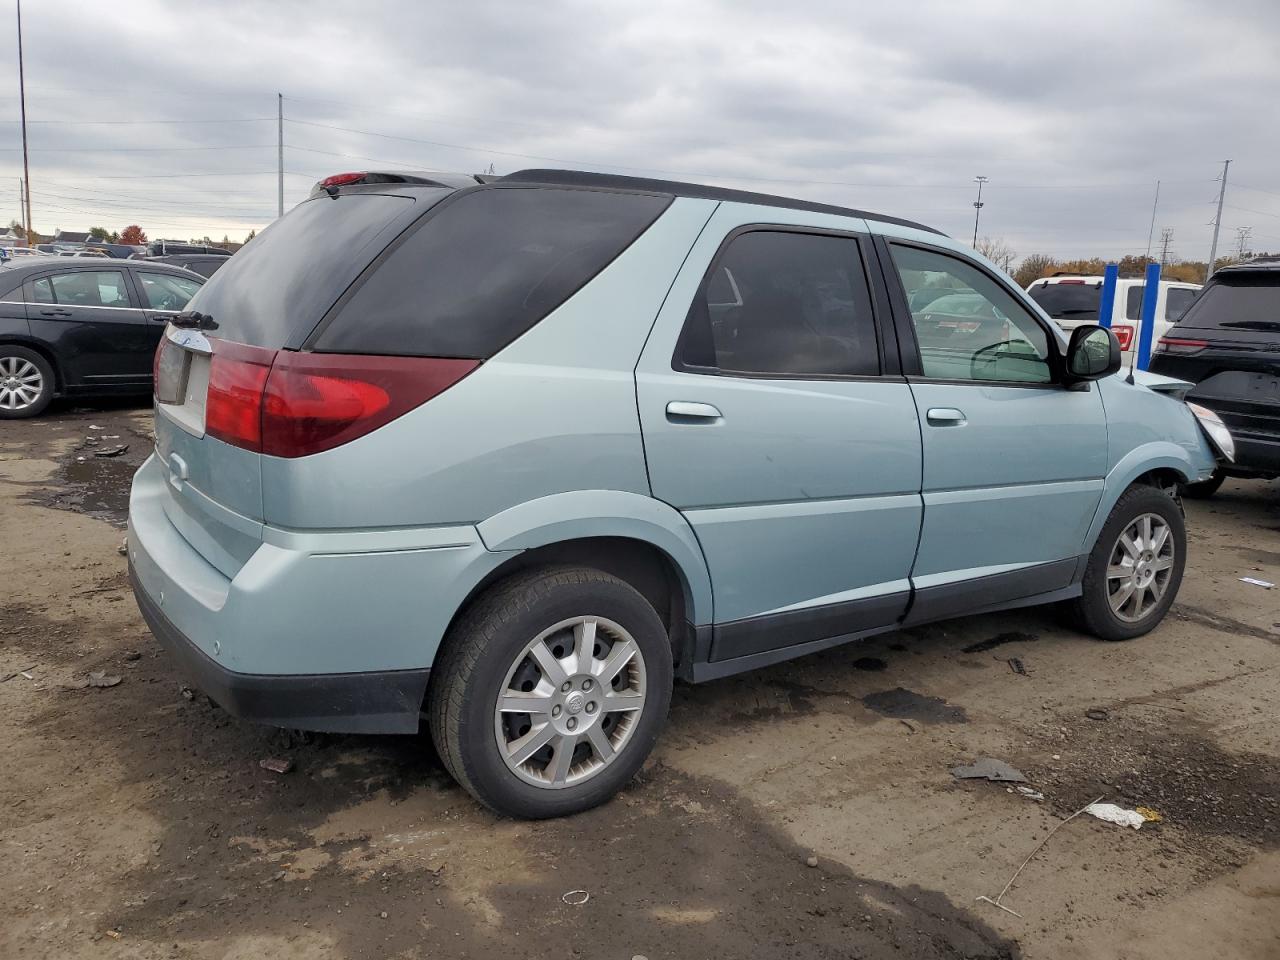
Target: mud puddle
point(902, 704)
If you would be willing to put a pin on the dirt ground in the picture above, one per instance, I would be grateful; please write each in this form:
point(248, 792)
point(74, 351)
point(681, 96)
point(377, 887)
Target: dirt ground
point(135, 820)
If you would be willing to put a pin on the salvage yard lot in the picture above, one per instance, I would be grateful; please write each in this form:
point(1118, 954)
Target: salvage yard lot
point(135, 820)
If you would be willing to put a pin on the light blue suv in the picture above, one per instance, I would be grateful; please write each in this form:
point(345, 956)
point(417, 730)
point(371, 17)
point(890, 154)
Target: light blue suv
point(510, 456)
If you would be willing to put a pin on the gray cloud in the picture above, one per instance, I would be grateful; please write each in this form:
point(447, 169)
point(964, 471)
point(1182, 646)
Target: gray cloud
point(1072, 111)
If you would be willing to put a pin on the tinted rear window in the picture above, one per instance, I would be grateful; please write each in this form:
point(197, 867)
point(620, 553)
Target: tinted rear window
point(1069, 301)
point(274, 291)
point(486, 267)
point(1241, 301)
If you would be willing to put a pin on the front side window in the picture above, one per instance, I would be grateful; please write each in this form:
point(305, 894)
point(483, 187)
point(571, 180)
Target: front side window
point(165, 292)
point(785, 304)
point(91, 288)
point(977, 330)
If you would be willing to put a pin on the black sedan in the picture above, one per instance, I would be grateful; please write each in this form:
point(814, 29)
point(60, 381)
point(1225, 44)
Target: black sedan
point(82, 327)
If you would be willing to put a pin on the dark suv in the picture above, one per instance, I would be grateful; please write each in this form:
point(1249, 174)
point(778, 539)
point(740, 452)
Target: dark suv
point(1228, 345)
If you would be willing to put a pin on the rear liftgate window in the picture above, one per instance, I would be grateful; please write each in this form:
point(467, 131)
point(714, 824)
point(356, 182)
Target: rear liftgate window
point(485, 268)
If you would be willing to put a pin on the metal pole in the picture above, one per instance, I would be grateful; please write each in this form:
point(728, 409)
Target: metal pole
point(1151, 232)
point(1217, 223)
point(280, 154)
point(22, 213)
point(22, 97)
point(977, 208)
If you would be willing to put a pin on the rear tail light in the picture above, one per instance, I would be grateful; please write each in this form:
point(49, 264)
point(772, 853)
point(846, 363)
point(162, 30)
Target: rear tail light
point(289, 404)
point(1180, 346)
point(1124, 335)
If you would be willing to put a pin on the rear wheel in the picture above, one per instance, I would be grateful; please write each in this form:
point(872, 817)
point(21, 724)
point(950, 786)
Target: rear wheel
point(1205, 488)
point(550, 691)
point(26, 382)
point(1135, 568)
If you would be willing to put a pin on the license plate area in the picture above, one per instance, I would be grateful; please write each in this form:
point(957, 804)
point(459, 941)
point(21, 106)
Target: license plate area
point(182, 379)
point(171, 374)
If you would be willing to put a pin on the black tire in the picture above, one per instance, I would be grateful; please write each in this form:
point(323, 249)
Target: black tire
point(481, 648)
point(1092, 609)
point(1205, 488)
point(10, 353)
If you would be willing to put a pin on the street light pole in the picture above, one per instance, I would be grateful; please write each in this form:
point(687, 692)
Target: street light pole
point(22, 98)
point(977, 208)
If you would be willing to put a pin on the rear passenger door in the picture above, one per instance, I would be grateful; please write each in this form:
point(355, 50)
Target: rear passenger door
point(1013, 460)
point(776, 420)
point(95, 326)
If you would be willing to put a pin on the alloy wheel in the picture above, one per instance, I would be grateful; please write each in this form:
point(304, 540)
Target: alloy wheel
point(570, 702)
point(1140, 567)
point(21, 383)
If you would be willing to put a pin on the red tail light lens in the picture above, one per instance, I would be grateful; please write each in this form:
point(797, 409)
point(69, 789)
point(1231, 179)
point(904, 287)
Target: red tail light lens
point(233, 405)
point(341, 179)
point(289, 404)
point(1124, 335)
point(1180, 346)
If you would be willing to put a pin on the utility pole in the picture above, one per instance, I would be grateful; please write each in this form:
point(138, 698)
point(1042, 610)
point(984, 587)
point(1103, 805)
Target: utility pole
point(279, 154)
point(1154, 204)
point(22, 212)
point(1166, 237)
point(22, 97)
point(1217, 223)
point(977, 208)
point(1242, 241)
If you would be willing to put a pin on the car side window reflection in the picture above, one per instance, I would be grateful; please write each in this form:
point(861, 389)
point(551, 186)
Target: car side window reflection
point(967, 326)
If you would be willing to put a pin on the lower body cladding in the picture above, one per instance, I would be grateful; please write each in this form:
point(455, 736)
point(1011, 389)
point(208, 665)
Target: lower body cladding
point(316, 631)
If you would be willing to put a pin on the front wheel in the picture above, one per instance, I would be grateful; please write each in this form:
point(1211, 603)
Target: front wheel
point(550, 691)
point(1135, 568)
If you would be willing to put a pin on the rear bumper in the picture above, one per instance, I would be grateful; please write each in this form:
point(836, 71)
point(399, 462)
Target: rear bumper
point(379, 702)
point(1255, 456)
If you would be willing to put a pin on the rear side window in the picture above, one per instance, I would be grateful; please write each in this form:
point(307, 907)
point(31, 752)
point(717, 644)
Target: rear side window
point(783, 304)
point(1067, 301)
point(91, 288)
point(484, 269)
point(1241, 301)
point(274, 291)
point(1179, 298)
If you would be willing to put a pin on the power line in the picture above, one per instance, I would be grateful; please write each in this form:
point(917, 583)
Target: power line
point(111, 123)
point(104, 150)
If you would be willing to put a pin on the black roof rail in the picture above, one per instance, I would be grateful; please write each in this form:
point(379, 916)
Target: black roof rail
point(581, 178)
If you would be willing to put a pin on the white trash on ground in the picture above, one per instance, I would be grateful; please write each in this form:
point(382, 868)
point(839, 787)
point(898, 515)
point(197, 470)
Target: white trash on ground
point(1114, 814)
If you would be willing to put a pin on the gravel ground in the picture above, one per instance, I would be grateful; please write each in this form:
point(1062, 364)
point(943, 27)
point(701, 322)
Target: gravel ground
point(135, 820)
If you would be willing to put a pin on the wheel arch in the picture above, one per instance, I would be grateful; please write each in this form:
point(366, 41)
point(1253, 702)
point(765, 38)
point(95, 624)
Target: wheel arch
point(1161, 464)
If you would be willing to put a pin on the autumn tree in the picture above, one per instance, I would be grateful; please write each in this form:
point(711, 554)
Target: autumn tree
point(133, 235)
point(1033, 267)
point(100, 233)
point(997, 251)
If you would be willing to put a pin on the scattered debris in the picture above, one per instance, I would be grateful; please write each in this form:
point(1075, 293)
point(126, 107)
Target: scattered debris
point(91, 439)
point(1017, 666)
point(187, 692)
point(26, 673)
point(111, 451)
point(94, 426)
point(811, 861)
point(123, 549)
point(988, 768)
point(575, 898)
point(1031, 794)
point(1056, 827)
point(98, 678)
point(908, 724)
point(383, 915)
point(17, 673)
point(999, 640)
point(1097, 713)
point(1149, 815)
point(132, 655)
point(1265, 584)
point(1117, 815)
point(276, 764)
point(114, 934)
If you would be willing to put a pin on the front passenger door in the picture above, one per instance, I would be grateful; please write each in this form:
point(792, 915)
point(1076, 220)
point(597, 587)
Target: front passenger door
point(1013, 460)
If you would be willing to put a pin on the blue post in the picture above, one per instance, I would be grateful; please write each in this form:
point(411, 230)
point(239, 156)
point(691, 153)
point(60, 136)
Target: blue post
point(1150, 293)
point(1108, 300)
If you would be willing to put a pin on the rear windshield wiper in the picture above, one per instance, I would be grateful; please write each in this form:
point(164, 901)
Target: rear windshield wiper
point(1252, 324)
point(193, 320)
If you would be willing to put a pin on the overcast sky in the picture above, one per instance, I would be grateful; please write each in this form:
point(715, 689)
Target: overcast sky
point(1072, 110)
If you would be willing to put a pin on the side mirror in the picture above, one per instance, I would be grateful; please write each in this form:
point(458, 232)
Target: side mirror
point(1093, 353)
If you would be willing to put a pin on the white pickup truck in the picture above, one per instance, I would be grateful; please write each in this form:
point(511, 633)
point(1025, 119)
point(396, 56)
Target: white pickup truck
point(1074, 300)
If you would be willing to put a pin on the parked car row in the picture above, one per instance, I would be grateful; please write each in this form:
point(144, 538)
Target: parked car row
point(1075, 300)
point(544, 443)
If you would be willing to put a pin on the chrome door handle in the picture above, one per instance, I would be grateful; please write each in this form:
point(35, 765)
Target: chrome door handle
point(946, 417)
point(688, 410)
